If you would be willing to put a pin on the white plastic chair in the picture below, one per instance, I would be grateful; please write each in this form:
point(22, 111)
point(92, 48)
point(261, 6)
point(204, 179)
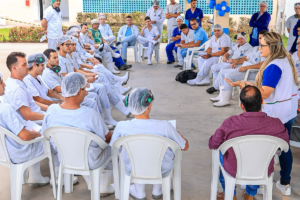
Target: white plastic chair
point(135, 49)
point(146, 153)
point(189, 59)
point(142, 50)
point(17, 175)
point(73, 145)
point(253, 154)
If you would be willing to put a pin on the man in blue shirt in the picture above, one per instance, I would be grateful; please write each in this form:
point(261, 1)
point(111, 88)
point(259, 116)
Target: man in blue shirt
point(193, 13)
point(176, 38)
point(199, 35)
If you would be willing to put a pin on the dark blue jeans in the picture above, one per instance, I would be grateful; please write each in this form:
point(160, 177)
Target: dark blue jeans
point(286, 159)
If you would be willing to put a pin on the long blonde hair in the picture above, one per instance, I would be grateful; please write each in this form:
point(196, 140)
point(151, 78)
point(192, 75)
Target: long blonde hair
point(277, 51)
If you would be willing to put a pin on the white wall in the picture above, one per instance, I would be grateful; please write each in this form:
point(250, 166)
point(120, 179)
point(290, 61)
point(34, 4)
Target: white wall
point(289, 11)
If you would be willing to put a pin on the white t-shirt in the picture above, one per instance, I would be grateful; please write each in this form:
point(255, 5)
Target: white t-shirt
point(51, 78)
point(151, 127)
point(223, 41)
point(18, 95)
point(189, 37)
point(151, 34)
point(291, 23)
point(54, 25)
point(65, 64)
point(237, 51)
point(105, 30)
point(36, 87)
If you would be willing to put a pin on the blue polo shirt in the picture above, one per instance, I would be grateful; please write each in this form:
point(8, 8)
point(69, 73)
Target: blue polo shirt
point(200, 35)
point(176, 32)
point(198, 14)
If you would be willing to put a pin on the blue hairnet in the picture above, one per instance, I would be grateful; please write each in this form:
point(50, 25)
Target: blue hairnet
point(72, 83)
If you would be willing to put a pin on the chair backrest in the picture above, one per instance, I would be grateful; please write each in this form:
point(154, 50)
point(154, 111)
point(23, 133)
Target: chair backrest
point(4, 157)
point(72, 145)
point(254, 154)
point(146, 153)
point(205, 45)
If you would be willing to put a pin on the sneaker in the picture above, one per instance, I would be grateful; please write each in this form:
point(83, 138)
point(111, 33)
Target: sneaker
point(125, 67)
point(211, 90)
point(284, 189)
point(178, 66)
point(170, 62)
point(157, 196)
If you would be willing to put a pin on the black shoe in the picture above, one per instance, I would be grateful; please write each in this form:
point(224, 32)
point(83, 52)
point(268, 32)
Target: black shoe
point(170, 62)
point(100, 48)
point(177, 66)
point(181, 68)
point(125, 67)
point(118, 43)
point(211, 90)
point(193, 68)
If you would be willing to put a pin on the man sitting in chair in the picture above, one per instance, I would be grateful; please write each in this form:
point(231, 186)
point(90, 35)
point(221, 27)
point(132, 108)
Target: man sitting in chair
point(140, 102)
point(148, 37)
point(199, 38)
point(251, 122)
point(71, 114)
point(219, 44)
point(13, 122)
point(105, 30)
point(127, 35)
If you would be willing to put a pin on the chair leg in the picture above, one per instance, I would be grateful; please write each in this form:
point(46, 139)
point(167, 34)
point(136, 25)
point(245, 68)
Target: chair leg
point(166, 182)
point(230, 186)
point(68, 182)
point(270, 187)
point(126, 187)
point(52, 174)
point(25, 176)
point(60, 182)
point(95, 184)
point(16, 179)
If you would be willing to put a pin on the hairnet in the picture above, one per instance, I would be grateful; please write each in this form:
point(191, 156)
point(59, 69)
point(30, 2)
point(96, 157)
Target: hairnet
point(296, 4)
point(134, 100)
point(263, 3)
point(72, 83)
point(179, 17)
point(75, 28)
point(74, 39)
point(38, 58)
point(52, 1)
point(62, 39)
point(155, 3)
point(218, 27)
point(72, 33)
point(95, 21)
point(240, 35)
point(101, 16)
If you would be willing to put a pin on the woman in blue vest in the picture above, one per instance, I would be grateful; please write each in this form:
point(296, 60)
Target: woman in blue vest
point(259, 21)
point(277, 81)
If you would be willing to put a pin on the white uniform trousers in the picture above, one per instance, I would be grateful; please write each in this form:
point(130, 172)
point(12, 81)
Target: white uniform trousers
point(215, 69)
point(179, 56)
point(110, 39)
point(52, 44)
point(106, 53)
point(147, 43)
point(204, 65)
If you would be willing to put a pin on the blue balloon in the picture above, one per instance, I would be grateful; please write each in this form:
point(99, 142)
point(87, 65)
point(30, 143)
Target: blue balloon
point(218, 7)
point(211, 6)
point(227, 9)
point(223, 3)
point(189, 1)
point(221, 13)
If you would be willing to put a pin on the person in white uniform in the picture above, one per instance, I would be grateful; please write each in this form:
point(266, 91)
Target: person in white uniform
point(35, 84)
point(52, 22)
point(173, 10)
point(219, 44)
point(105, 30)
point(157, 16)
point(140, 102)
point(17, 93)
point(148, 37)
point(291, 23)
point(236, 52)
point(127, 35)
point(71, 114)
point(13, 122)
point(296, 58)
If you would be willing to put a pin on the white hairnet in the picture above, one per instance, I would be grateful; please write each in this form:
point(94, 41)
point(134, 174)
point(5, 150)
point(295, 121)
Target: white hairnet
point(296, 4)
point(218, 27)
point(134, 100)
point(95, 21)
point(72, 33)
point(240, 35)
point(179, 17)
point(38, 58)
point(101, 16)
point(263, 3)
point(74, 39)
point(72, 83)
point(75, 28)
point(155, 3)
point(62, 39)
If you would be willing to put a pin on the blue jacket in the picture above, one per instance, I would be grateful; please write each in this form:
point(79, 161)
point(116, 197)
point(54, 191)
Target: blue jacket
point(261, 24)
point(295, 33)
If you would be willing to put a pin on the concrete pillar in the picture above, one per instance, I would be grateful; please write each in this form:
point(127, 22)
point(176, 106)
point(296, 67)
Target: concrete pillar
point(223, 21)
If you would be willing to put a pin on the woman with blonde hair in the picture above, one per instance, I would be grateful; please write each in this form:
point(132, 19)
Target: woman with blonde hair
point(277, 81)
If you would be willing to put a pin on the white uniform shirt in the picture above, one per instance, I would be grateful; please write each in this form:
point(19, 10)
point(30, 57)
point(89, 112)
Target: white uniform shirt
point(105, 30)
point(254, 57)
point(54, 23)
point(123, 29)
point(151, 127)
point(223, 41)
point(65, 64)
point(239, 52)
point(291, 23)
point(297, 62)
point(10, 120)
point(151, 34)
point(173, 9)
point(51, 78)
point(189, 37)
point(36, 87)
point(158, 16)
point(84, 39)
point(18, 95)
point(82, 118)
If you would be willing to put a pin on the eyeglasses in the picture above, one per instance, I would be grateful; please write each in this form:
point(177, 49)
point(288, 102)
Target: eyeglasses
point(69, 44)
point(193, 24)
point(73, 45)
point(261, 45)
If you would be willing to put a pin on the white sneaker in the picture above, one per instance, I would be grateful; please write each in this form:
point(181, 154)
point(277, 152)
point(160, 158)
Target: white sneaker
point(125, 90)
point(115, 55)
point(260, 190)
point(40, 181)
point(194, 81)
point(110, 127)
point(204, 82)
point(284, 189)
point(149, 62)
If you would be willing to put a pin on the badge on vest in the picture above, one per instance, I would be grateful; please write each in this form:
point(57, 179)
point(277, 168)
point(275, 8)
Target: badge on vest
point(159, 15)
point(256, 59)
point(175, 13)
point(219, 48)
point(242, 54)
point(297, 65)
